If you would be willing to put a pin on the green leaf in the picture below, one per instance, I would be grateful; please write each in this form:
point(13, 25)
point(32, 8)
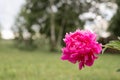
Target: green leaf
point(113, 45)
point(104, 50)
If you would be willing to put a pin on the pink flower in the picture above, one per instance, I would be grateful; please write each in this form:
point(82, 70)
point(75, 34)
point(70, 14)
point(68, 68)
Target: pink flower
point(82, 47)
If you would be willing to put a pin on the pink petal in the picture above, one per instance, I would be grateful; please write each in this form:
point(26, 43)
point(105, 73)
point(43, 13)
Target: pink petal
point(65, 57)
point(90, 61)
point(81, 65)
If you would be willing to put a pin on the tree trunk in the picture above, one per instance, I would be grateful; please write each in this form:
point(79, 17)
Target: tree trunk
point(52, 28)
point(59, 40)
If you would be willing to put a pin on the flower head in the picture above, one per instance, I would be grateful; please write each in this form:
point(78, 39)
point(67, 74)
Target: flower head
point(82, 47)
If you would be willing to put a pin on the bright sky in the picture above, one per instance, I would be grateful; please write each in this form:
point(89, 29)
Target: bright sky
point(8, 10)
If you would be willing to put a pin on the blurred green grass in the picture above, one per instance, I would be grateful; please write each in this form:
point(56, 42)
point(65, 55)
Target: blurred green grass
point(44, 65)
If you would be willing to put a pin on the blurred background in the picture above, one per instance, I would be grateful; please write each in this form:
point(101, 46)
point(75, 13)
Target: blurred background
point(32, 32)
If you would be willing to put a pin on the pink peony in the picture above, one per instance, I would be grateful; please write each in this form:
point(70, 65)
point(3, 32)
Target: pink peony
point(82, 47)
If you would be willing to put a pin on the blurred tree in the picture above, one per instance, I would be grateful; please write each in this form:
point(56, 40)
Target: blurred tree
point(115, 22)
point(18, 31)
point(53, 17)
point(31, 14)
point(66, 18)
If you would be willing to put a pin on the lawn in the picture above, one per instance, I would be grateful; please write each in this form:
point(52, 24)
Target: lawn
point(44, 65)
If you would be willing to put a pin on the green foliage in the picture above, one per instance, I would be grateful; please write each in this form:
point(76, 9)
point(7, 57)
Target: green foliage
point(24, 46)
point(66, 17)
point(115, 22)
